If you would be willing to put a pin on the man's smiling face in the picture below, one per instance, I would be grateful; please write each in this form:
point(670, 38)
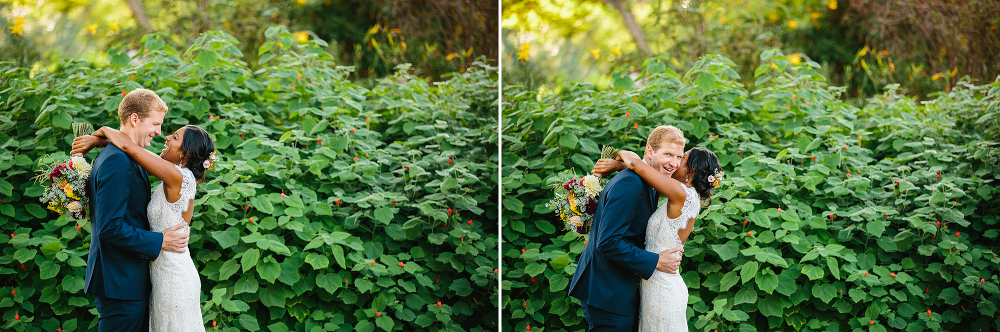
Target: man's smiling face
point(146, 129)
point(667, 158)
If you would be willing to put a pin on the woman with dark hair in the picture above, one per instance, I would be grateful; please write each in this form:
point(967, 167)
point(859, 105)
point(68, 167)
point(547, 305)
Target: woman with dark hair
point(664, 297)
point(189, 153)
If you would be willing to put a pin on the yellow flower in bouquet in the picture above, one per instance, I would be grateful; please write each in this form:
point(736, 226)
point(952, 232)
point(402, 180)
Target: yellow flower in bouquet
point(572, 203)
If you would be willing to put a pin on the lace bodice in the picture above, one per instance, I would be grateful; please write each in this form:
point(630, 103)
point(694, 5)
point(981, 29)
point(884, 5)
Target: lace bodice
point(163, 214)
point(175, 301)
point(664, 297)
point(661, 231)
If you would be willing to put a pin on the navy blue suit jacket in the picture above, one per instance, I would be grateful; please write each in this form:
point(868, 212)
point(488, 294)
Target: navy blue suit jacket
point(607, 276)
point(121, 245)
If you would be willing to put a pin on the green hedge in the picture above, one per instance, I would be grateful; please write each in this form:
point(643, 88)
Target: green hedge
point(842, 201)
point(335, 207)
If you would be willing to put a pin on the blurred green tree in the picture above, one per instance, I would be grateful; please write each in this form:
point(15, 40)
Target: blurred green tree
point(864, 45)
point(437, 37)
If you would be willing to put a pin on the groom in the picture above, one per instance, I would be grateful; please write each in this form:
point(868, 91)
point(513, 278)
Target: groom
point(607, 278)
point(121, 245)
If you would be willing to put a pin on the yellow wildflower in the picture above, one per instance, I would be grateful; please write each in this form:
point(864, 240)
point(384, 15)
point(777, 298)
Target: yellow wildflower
point(18, 27)
point(92, 28)
point(793, 24)
point(301, 2)
point(302, 36)
point(596, 53)
point(617, 50)
point(522, 53)
point(795, 58)
point(114, 26)
point(832, 4)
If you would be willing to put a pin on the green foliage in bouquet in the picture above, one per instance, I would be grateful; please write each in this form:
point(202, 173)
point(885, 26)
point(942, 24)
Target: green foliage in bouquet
point(334, 207)
point(831, 217)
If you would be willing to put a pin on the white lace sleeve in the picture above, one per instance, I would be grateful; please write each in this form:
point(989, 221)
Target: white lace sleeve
point(691, 208)
point(188, 189)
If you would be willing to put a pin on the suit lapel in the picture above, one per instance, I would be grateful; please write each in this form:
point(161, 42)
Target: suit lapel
point(144, 175)
point(652, 197)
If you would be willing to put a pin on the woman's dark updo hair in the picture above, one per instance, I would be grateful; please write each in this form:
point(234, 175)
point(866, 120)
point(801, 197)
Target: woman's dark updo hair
point(198, 147)
point(702, 163)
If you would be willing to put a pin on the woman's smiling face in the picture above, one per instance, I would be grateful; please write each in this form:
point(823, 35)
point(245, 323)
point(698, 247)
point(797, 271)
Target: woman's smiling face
point(172, 147)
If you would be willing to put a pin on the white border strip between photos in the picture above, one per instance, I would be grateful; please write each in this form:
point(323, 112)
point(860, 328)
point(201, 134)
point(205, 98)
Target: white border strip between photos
point(499, 166)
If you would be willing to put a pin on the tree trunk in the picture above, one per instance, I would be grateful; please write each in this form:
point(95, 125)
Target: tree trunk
point(633, 27)
point(139, 11)
point(203, 24)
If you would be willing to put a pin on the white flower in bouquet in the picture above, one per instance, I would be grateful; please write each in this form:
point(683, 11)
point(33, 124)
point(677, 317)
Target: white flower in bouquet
point(593, 185)
point(81, 165)
point(576, 221)
point(74, 206)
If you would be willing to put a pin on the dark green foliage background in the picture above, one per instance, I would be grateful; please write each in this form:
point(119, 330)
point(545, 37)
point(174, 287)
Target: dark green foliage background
point(836, 244)
point(396, 156)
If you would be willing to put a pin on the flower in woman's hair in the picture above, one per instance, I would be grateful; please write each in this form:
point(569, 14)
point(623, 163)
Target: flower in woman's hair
point(210, 163)
point(711, 178)
point(592, 185)
point(207, 164)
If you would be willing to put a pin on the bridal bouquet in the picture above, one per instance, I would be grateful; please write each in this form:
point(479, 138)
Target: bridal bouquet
point(575, 200)
point(66, 188)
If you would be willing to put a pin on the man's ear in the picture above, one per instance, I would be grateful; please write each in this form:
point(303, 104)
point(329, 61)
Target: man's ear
point(133, 119)
point(649, 151)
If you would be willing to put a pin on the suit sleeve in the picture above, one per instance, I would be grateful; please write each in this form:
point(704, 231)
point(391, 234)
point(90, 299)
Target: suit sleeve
point(113, 181)
point(622, 201)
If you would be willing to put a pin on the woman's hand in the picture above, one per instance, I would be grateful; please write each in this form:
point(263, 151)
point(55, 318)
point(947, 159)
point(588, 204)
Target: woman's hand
point(629, 158)
point(605, 167)
point(83, 144)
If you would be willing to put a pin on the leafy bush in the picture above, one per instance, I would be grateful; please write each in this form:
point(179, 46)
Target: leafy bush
point(334, 207)
point(842, 202)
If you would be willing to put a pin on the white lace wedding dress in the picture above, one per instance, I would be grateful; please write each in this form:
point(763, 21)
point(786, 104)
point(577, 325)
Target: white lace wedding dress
point(175, 304)
point(664, 297)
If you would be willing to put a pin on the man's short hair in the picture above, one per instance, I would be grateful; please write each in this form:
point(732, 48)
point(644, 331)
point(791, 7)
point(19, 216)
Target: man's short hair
point(665, 134)
point(140, 102)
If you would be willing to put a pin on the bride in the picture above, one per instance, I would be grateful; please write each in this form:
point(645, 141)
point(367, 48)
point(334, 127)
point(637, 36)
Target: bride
point(664, 297)
point(189, 153)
